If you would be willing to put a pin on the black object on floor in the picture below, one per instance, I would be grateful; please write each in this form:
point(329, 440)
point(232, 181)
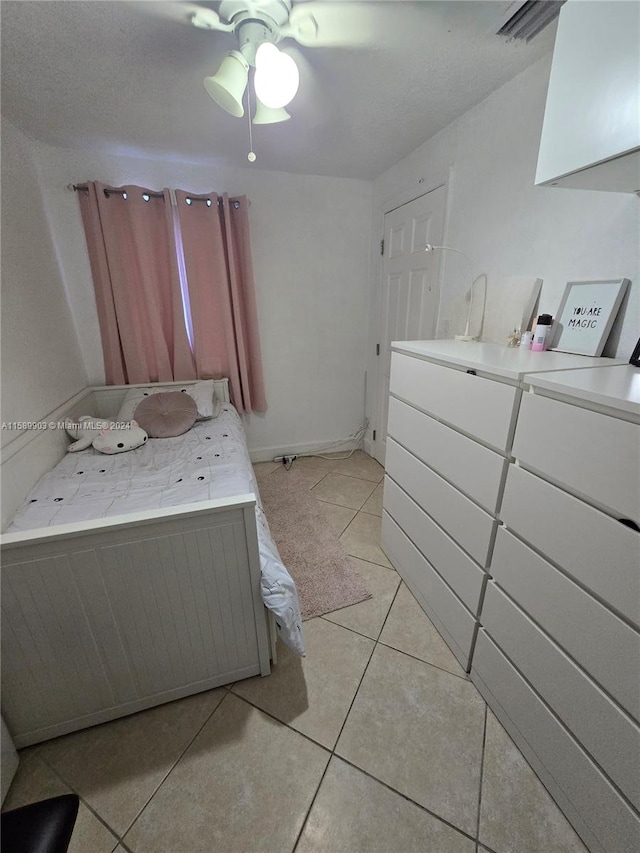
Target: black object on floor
point(43, 827)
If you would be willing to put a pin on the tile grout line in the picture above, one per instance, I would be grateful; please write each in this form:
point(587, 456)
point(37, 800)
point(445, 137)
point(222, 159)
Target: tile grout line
point(484, 743)
point(483, 847)
point(374, 483)
point(332, 751)
point(377, 483)
point(297, 731)
point(311, 804)
point(356, 477)
point(359, 769)
point(377, 642)
point(84, 802)
point(407, 798)
point(282, 723)
point(173, 766)
point(355, 556)
point(334, 754)
point(346, 717)
point(464, 677)
point(342, 506)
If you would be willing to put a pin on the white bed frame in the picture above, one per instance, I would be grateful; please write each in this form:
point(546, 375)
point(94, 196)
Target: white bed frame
point(105, 618)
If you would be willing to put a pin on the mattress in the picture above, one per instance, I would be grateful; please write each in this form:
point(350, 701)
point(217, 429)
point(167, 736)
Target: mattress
point(210, 461)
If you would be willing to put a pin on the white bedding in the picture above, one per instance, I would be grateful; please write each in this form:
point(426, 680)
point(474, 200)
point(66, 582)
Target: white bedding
point(209, 461)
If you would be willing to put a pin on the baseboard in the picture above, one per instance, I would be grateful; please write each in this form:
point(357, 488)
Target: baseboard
point(266, 454)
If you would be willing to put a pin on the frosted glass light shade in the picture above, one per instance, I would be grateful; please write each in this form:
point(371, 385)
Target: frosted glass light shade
point(266, 115)
point(227, 86)
point(277, 77)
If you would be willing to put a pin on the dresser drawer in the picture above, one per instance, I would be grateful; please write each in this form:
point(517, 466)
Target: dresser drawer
point(592, 547)
point(601, 727)
point(569, 773)
point(594, 636)
point(470, 526)
point(472, 468)
point(479, 407)
point(446, 611)
point(594, 455)
point(448, 559)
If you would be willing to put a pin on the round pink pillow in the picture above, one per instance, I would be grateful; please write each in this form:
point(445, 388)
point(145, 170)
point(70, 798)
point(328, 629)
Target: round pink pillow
point(166, 414)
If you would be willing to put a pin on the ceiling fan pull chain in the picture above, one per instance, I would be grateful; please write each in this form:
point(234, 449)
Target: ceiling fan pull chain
point(251, 157)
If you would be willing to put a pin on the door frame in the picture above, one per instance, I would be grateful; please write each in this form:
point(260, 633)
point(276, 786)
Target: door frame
point(372, 371)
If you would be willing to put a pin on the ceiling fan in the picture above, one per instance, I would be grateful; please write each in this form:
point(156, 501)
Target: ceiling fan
point(270, 77)
point(259, 26)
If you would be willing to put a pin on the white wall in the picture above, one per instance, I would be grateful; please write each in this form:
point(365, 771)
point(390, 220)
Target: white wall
point(41, 361)
point(310, 240)
point(508, 227)
point(316, 262)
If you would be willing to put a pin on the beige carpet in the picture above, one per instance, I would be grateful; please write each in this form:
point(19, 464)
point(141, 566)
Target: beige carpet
point(316, 561)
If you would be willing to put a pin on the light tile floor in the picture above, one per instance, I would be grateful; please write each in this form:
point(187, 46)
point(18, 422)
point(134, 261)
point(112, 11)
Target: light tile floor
point(376, 742)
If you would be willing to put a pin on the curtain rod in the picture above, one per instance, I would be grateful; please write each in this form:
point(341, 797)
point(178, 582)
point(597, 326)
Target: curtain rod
point(108, 192)
point(84, 188)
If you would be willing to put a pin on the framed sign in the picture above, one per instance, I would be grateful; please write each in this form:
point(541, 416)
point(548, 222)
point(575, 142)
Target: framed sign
point(635, 356)
point(586, 315)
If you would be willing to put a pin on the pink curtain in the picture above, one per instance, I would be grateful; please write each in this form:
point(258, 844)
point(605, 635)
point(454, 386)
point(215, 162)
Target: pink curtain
point(219, 271)
point(132, 251)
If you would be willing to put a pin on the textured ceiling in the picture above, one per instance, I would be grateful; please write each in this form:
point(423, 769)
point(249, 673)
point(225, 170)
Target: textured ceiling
point(126, 77)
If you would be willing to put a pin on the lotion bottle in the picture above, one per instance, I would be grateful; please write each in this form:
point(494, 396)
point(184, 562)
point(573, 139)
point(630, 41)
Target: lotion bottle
point(541, 334)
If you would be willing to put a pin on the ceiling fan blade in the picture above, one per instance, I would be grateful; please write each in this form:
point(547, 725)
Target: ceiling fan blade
point(331, 24)
point(207, 19)
point(181, 13)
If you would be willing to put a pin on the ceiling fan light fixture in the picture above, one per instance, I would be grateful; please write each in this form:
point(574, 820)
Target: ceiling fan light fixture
point(276, 78)
point(227, 86)
point(267, 115)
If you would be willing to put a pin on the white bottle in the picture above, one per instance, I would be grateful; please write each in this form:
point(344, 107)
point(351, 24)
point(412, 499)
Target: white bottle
point(541, 335)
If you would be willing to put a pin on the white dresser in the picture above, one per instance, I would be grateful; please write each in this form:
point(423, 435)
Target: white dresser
point(507, 475)
point(558, 652)
point(452, 414)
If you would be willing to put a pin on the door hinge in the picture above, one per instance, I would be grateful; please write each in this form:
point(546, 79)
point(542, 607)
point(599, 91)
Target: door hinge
point(377, 349)
point(382, 247)
point(374, 435)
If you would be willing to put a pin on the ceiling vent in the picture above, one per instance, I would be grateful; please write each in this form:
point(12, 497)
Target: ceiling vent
point(524, 20)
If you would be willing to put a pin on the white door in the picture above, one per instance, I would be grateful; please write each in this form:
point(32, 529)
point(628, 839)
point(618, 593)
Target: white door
point(409, 302)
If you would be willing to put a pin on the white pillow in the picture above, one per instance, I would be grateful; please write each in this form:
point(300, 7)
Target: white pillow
point(201, 392)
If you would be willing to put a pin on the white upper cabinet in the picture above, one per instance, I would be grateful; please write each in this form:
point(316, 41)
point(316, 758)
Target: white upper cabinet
point(591, 132)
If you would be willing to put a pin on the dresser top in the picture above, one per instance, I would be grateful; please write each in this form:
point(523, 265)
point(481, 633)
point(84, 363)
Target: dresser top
point(512, 362)
point(617, 387)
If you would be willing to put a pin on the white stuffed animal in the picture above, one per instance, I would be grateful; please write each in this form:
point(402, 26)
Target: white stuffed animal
point(101, 435)
point(86, 429)
point(118, 440)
